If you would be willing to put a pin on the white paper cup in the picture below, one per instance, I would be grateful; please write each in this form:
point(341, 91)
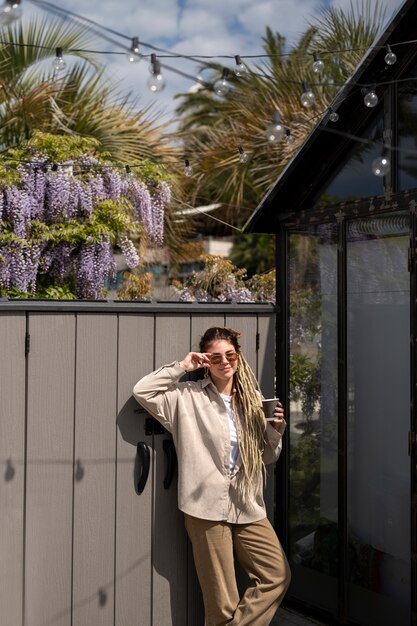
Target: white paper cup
point(269, 405)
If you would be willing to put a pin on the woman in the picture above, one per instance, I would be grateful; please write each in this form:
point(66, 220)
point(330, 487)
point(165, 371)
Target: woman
point(223, 443)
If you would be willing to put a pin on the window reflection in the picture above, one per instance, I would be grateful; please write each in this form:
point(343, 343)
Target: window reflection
point(355, 179)
point(407, 133)
point(313, 414)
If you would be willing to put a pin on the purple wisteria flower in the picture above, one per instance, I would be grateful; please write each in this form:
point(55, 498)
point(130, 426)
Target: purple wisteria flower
point(58, 196)
point(22, 267)
point(17, 209)
point(129, 252)
point(65, 199)
point(95, 264)
point(160, 199)
point(112, 183)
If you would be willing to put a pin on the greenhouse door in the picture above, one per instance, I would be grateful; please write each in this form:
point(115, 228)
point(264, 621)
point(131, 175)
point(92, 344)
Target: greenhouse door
point(349, 397)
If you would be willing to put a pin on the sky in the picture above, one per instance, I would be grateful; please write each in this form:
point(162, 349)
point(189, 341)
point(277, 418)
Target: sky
point(192, 27)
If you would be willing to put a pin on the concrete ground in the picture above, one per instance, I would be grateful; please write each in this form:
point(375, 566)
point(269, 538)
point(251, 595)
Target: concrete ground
point(288, 617)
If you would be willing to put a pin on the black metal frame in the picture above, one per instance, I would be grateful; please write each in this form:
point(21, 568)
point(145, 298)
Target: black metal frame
point(413, 407)
point(282, 371)
point(342, 492)
point(390, 203)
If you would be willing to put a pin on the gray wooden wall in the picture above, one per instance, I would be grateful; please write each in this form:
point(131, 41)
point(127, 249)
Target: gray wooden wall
point(78, 546)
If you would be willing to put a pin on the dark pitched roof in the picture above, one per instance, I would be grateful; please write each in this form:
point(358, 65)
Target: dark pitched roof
point(324, 147)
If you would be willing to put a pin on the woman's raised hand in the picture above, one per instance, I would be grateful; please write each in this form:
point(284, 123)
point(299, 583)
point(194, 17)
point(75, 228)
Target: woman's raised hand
point(195, 360)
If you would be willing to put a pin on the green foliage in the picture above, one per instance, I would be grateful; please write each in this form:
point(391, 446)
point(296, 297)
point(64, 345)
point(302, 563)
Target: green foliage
point(254, 252)
point(220, 280)
point(56, 293)
point(136, 286)
point(263, 286)
point(305, 383)
point(214, 276)
point(59, 148)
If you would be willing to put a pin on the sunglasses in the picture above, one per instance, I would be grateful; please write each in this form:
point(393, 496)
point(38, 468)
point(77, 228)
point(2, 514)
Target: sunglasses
point(216, 359)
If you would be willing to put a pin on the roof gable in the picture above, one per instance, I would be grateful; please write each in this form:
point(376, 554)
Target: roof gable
point(329, 143)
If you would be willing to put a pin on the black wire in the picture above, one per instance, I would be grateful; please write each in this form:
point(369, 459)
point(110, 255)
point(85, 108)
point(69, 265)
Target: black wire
point(197, 58)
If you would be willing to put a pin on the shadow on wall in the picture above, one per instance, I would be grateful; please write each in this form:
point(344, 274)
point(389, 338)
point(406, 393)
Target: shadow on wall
point(170, 547)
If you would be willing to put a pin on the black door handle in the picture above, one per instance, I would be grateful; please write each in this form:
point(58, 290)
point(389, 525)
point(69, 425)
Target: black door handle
point(169, 450)
point(145, 462)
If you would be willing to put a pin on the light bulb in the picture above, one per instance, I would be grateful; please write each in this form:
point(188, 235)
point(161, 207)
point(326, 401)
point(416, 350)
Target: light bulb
point(275, 131)
point(371, 99)
point(188, 170)
point(243, 157)
point(156, 82)
point(10, 12)
point(222, 86)
point(289, 137)
point(318, 65)
point(334, 116)
point(308, 98)
point(51, 171)
point(58, 63)
point(240, 69)
point(133, 55)
point(390, 56)
point(381, 165)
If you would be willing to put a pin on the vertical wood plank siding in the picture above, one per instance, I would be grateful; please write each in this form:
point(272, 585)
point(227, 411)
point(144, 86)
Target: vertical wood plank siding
point(49, 470)
point(133, 595)
point(12, 453)
point(78, 544)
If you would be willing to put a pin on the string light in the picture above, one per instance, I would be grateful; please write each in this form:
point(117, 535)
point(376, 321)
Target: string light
point(318, 65)
point(308, 99)
point(275, 131)
point(243, 157)
point(289, 137)
point(10, 12)
point(334, 116)
point(390, 57)
point(58, 63)
point(370, 99)
point(133, 55)
point(188, 170)
point(222, 86)
point(381, 165)
point(240, 69)
point(156, 81)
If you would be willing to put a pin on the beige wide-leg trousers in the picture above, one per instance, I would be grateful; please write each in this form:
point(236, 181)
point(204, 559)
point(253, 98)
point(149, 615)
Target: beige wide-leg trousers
point(259, 552)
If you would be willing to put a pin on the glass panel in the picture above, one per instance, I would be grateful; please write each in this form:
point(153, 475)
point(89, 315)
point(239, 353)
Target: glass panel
point(378, 302)
point(354, 179)
point(313, 415)
point(407, 133)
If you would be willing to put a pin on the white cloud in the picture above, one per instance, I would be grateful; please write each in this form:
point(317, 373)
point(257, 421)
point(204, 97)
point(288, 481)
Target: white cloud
point(286, 17)
point(201, 21)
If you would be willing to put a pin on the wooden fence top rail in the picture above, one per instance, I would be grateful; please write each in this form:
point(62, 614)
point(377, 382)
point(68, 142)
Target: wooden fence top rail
point(139, 307)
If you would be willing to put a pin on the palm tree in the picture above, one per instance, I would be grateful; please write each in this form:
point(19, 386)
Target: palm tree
point(213, 128)
point(82, 101)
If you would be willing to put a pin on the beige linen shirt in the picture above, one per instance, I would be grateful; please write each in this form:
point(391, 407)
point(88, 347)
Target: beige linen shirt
point(194, 413)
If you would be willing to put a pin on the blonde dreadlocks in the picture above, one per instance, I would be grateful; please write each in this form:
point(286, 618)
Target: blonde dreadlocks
point(247, 405)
